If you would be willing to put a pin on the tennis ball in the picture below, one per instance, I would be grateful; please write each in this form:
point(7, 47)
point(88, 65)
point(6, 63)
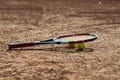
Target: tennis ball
point(81, 46)
point(72, 45)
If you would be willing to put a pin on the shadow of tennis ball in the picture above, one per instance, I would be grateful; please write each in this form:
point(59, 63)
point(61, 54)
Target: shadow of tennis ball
point(85, 50)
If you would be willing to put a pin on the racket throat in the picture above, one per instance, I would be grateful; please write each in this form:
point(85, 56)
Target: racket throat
point(49, 41)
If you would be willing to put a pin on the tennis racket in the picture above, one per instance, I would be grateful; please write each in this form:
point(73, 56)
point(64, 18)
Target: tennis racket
point(66, 39)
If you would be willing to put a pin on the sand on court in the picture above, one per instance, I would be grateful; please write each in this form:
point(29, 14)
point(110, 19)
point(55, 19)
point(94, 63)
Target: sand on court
point(29, 20)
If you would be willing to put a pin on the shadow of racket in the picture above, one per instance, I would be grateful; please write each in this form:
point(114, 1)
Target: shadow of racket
point(58, 49)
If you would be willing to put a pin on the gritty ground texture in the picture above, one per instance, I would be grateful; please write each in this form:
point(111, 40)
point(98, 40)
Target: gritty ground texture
point(29, 20)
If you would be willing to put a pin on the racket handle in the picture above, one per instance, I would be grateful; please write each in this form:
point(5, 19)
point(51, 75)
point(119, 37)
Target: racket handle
point(11, 46)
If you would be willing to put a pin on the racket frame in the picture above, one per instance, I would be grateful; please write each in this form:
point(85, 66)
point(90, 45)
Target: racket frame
point(51, 41)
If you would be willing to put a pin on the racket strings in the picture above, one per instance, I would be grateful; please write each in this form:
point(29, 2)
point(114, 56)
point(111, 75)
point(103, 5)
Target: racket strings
point(74, 38)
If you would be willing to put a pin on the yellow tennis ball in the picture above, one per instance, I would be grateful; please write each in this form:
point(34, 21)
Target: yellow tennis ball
point(72, 45)
point(81, 46)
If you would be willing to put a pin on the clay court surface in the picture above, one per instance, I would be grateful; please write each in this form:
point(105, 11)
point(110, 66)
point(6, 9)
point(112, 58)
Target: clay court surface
point(29, 20)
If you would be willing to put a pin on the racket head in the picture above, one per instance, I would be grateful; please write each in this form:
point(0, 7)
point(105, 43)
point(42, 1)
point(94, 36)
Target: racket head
point(76, 38)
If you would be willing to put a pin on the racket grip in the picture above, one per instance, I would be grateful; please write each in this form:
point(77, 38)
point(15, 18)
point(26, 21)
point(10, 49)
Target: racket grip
point(11, 46)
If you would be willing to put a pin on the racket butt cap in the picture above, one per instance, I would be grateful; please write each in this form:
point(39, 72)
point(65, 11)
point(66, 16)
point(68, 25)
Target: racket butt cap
point(9, 47)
